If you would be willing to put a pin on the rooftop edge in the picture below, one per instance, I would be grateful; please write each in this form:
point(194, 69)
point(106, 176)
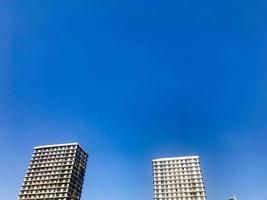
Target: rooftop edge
point(175, 158)
point(56, 145)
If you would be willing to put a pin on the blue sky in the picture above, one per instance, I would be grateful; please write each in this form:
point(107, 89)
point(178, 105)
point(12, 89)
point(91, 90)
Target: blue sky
point(132, 81)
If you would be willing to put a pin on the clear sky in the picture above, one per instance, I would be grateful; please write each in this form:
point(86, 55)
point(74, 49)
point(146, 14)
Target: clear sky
point(133, 80)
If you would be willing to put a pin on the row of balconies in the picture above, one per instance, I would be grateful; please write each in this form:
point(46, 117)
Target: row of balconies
point(176, 168)
point(62, 164)
point(157, 183)
point(195, 160)
point(177, 165)
point(181, 198)
point(45, 149)
point(49, 169)
point(70, 153)
point(50, 177)
point(59, 149)
point(60, 160)
point(49, 183)
point(44, 191)
point(177, 178)
point(184, 194)
point(178, 187)
point(177, 171)
point(166, 182)
point(33, 183)
point(181, 177)
point(52, 155)
point(44, 198)
point(41, 186)
point(50, 186)
point(47, 177)
point(54, 152)
point(40, 174)
point(185, 189)
point(173, 174)
point(49, 158)
point(58, 156)
point(191, 185)
point(193, 172)
point(35, 196)
point(170, 169)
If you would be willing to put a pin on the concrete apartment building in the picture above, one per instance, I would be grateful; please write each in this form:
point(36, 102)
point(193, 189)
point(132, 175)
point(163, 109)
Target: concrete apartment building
point(178, 178)
point(56, 172)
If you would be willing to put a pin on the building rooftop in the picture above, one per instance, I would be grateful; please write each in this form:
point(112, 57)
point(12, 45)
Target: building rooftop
point(175, 158)
point(56, 145)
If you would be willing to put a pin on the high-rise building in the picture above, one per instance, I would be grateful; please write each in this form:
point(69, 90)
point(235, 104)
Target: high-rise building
point(232, 198)
point(178, 178)
point(56, 172)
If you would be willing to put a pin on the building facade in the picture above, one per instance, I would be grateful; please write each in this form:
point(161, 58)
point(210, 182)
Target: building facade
point(56, 172)
point(178, 178)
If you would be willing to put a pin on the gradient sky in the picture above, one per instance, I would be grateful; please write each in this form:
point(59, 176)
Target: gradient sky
point(132, 81)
